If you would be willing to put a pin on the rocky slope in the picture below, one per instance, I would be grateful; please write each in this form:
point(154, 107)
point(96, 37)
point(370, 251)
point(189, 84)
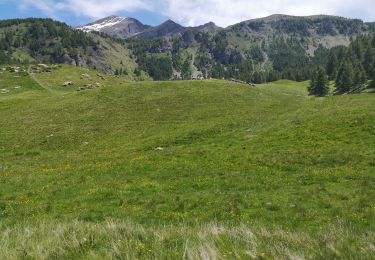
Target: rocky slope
point(125, 28)
point(311, 31)
point(116, 26)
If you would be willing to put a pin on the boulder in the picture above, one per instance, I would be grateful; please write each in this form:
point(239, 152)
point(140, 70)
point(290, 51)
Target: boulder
point(68, 83)
point(85, 76)
point(14, 69)
point(88, 86)
point(100, 76)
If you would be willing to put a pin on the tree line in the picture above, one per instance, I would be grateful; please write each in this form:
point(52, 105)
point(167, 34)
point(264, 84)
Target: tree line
point(351, 68)
point(45, 40)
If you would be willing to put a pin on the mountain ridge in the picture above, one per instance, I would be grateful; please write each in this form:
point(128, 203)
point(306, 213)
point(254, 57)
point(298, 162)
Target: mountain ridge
point(257, 50)
point(116, 26)
point(120, 27)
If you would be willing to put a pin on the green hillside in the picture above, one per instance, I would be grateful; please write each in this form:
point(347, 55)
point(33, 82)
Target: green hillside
point(260, 50)
point(47, 41)
point(185, 169)
point(256, 51)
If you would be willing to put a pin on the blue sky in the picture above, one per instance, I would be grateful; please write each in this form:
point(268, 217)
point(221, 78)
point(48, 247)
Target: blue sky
point(186, 12)
point(12, 9)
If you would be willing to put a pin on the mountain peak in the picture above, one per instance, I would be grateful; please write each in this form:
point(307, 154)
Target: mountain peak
point(209, 25)
point(170, 22)
point(169, 26)
point(111, 17)
point(99, 25)
point(167, 29)
point(116, 26)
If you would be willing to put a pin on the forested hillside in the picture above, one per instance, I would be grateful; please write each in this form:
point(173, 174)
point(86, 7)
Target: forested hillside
point(49, 41)
point(257, 51)
point(41, 39)
point(351, 68)
point(260, 50)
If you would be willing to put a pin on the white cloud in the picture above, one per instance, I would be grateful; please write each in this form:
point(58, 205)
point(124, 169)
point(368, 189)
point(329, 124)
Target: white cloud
point(226, 12)
point(100, 8)
point(196, 12)
point(88, 8)
point(45, 6)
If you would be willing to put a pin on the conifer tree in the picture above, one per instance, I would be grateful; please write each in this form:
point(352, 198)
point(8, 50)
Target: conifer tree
point(186, 69)
point(344, 81)
point(319, 83)
point(369, 59)
point(372, 77)
point(332, 65)
point(360, 77)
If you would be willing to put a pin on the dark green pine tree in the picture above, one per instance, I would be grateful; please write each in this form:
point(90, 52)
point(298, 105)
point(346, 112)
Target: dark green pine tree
point(372, 77)
point(369, 59)
point(319, 83)
point(360, 77)
point(332, 65)
point(186, 69)
point(364, 77)
point(334, 74)
point(344, 80)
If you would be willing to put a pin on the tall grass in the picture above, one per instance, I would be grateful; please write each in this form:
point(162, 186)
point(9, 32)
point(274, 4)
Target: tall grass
point(126, 240)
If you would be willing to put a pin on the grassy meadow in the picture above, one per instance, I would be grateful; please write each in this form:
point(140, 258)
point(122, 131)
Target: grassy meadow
point(183, 169)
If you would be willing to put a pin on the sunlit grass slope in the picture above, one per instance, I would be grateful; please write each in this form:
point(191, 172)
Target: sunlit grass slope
point(220, 170)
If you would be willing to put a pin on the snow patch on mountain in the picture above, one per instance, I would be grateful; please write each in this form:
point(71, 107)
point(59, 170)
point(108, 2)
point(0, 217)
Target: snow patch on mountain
point(100, 25)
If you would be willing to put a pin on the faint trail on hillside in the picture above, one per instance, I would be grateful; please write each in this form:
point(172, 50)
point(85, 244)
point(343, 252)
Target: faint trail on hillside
point(32, 76)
